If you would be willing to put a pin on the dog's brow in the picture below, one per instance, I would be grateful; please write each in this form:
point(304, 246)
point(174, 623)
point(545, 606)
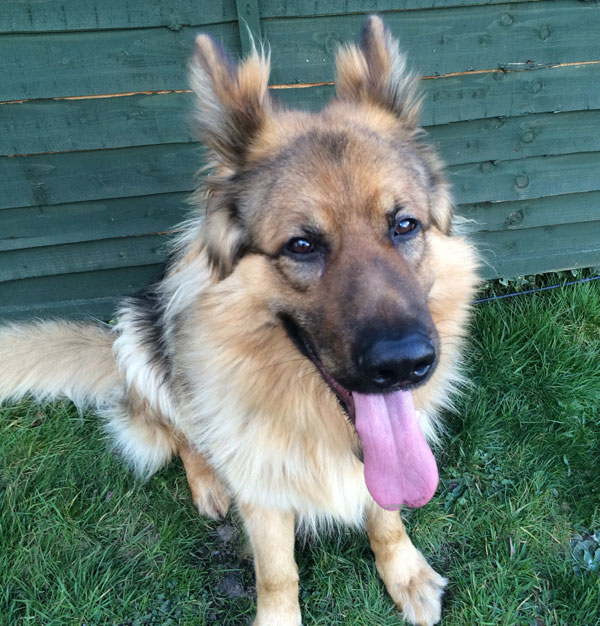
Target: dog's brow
point(313, 231)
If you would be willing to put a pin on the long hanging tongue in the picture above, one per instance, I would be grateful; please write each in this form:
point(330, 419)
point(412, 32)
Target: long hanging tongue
point(399, 465)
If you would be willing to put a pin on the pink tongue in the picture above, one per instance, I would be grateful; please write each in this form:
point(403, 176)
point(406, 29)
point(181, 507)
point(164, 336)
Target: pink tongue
point(399, 465)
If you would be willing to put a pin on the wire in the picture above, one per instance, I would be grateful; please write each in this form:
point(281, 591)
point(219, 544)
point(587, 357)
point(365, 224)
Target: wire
point(529, 291)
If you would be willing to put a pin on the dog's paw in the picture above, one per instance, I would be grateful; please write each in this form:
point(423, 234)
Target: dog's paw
point(418, 592)
point(278, 619)
point(415, 587)
point(209, 497)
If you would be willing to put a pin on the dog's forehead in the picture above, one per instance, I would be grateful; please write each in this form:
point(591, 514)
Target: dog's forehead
point(334, 170)
point(335, 182)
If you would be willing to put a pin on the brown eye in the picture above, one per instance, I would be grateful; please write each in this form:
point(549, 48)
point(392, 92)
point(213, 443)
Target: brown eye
point(405, 226)
point(298, 245)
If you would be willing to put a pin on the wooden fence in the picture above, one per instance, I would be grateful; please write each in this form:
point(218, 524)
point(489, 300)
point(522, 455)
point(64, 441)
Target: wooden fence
point(97, 154)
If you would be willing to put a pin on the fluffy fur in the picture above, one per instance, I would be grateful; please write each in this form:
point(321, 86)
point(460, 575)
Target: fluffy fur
point(203, 364)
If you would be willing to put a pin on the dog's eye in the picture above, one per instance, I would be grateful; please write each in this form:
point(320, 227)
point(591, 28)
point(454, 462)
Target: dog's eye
point(405, 226)
point(298, 245)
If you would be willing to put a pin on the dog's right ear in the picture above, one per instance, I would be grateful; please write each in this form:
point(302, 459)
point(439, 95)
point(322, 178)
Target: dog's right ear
point(233, 105)
point(233, 99)
point(376, 72)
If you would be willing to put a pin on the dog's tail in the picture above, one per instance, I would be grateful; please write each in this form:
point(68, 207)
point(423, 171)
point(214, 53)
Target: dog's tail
point(52, 360)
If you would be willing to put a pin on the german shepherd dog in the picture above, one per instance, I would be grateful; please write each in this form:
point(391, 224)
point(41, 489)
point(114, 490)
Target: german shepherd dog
point(307, 328)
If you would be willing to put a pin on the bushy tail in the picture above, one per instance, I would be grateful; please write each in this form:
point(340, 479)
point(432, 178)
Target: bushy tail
point(51, 360)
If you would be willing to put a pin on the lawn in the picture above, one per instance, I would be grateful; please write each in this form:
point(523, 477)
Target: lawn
point(82, 542)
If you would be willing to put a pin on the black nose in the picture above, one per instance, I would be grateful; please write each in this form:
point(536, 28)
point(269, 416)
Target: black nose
point(395, 362)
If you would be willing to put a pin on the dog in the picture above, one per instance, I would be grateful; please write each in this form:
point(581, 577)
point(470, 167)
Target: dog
point(307, 329)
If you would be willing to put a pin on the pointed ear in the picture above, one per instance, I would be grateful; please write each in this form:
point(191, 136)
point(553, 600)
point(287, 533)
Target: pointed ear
point(233, 99)
point(376, 72)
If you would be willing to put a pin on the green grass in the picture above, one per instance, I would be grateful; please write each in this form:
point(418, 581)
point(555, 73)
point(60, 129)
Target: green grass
point(81, 542)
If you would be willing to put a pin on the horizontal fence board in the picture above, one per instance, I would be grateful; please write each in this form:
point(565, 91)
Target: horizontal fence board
point(57, 125)
point(441, 41)
point(89, 222)
point(524, 179)
point(502, 139)
point(490, 94)
point(144, 250)
point(83, 257)
point(42, 126)
point(33, 227)
point(505, 243)
point(97, 175)
point(547, 261)
point(92, 124)
point(530, 251)
point(96, 293)
point(81, 286)
point(69, 15)
point(103, 62)
point(293, 8)
point(98, 308)
point(567, 209)
point(36, 227)
point(50, 15)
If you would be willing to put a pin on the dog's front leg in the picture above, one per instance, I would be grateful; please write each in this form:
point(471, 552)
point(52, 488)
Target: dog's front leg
point(208, 493)
point(271, 534)
point(414, 586)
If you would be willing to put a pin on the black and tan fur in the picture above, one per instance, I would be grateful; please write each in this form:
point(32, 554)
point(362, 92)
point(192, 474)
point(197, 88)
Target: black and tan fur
point(219, 362)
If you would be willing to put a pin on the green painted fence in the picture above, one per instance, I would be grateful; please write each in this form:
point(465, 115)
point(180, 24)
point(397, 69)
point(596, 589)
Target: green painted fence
point(97, 154)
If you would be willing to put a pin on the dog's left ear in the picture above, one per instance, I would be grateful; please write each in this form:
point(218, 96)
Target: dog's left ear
point(376, 72)
point(233, 99)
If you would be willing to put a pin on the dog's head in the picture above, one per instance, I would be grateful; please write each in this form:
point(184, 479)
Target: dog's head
point(343, 206)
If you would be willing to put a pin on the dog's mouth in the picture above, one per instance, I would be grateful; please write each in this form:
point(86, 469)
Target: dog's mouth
point(399, 466)
point(343, 395)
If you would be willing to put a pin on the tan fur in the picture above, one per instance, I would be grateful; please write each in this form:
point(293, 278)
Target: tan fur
point(271, 534)
point(207, 492)
point(224, 387)
point(53, 360)
point(409, 579)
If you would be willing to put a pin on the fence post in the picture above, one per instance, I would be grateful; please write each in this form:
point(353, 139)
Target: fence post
point(248, 20)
